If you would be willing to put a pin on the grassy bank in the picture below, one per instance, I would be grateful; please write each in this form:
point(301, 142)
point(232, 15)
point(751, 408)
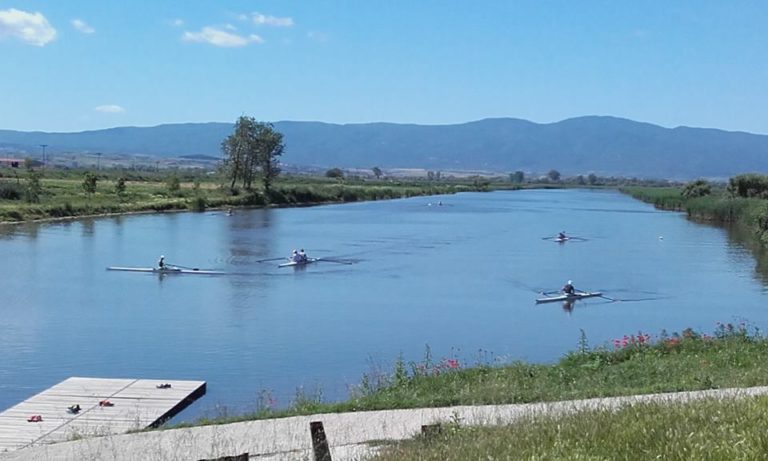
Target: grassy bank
point(730, 429)
point(731, 357)
point(60, 197)
point(635, 364)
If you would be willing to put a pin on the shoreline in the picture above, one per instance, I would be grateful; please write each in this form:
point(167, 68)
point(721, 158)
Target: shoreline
point(214, 208)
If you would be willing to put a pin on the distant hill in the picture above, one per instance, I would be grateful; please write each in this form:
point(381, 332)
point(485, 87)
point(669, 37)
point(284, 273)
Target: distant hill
point(603, 145)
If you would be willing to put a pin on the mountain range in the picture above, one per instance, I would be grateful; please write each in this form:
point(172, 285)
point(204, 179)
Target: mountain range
point(592, 144)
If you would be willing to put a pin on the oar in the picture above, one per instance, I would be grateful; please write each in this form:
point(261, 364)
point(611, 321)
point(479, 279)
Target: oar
point(337, 261)
point(549, 292)
point(269, 260)
point(184, 267)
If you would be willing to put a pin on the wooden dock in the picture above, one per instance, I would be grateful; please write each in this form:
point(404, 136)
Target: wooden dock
point(135, 404)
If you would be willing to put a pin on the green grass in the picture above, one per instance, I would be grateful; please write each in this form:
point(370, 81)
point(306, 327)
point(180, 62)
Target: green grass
point(64, 196)
point(689, 361)
point(708, 429)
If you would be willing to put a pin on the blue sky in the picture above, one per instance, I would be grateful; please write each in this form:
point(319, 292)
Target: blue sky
point(79, 64)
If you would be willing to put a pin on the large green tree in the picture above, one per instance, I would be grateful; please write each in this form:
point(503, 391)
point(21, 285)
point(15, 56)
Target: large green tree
point(252, 152)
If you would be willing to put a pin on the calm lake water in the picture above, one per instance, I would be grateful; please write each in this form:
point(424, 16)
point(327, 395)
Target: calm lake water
point(461, 278)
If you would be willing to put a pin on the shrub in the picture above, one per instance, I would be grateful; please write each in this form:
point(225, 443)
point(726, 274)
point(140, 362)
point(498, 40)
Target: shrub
point(173, 184)
point(120, 186)
point(198, 204)
point(698, 188)
point(89, 183)
point(335, 173)
point(34, 187)
point(10, 191)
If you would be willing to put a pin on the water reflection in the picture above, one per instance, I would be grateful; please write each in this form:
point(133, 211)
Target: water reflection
point(250, 235)
point(88, 225)
point(744, 246)
point(28, 230)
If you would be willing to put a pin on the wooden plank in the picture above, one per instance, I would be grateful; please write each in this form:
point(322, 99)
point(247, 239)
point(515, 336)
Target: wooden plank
point(137, 404)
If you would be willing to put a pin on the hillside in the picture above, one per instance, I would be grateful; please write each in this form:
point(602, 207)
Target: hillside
point(603, 145)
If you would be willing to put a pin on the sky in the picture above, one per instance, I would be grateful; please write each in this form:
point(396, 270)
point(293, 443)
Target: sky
point(80, 65)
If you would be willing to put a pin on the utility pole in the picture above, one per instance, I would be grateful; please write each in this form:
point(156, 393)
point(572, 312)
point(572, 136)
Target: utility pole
point(43, 146)
point(98, 161)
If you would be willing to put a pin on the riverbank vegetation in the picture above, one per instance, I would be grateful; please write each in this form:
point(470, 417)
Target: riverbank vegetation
point(36, 194)
point(733, 356)
point(743, 202)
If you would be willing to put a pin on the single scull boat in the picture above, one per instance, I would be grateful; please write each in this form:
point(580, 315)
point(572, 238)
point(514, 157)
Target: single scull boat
point(567, 297)
point(169, 270)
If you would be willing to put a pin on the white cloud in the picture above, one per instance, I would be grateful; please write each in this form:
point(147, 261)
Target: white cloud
point(109, 109)
point(177, 22)
point(80, 25)
point(262, 19)
point(32, 28)
point(218, 37)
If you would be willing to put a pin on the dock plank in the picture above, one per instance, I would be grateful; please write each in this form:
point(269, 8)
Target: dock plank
point(138, 404)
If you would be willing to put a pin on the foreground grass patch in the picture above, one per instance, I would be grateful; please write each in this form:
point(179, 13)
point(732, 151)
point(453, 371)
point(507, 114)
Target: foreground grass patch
point(708, 429)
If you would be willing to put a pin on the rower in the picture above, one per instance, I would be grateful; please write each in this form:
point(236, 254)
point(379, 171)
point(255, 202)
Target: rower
point(569, 289)
point(302, 255)
point(161, 262)
point(295, 257)
point(562, 236)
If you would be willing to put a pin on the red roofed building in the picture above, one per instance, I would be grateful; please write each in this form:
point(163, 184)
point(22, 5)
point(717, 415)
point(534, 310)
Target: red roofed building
point(11, 162)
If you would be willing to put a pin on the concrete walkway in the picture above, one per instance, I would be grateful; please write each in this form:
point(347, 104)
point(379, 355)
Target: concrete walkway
point(348, 433)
